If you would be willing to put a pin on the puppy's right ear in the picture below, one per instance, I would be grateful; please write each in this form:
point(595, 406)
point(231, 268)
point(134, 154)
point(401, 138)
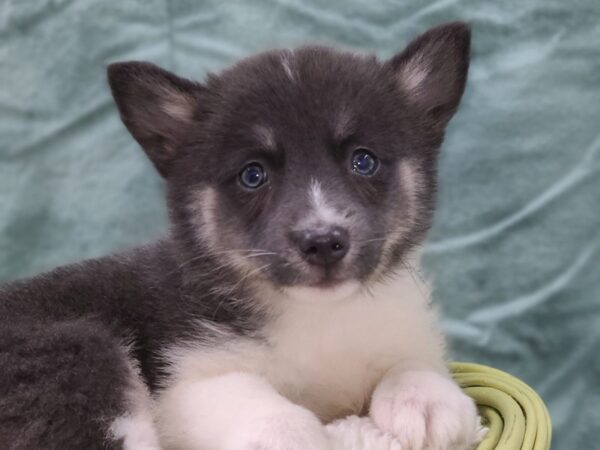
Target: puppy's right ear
point(432, 70)
point(155, 106)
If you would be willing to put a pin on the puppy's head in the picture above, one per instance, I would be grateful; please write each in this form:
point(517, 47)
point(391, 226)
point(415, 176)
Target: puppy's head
point(307, 168)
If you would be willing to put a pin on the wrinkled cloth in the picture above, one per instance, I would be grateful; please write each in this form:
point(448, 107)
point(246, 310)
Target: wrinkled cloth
point(515, 248)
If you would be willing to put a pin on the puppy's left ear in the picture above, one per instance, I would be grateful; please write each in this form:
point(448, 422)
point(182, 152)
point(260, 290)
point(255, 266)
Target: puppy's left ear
point(432, 70)
point(156, 106)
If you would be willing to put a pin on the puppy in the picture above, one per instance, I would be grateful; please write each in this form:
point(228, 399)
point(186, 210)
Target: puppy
point(298, 183)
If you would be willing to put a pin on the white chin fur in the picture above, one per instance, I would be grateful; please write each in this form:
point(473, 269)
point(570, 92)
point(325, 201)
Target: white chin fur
point(327, 294)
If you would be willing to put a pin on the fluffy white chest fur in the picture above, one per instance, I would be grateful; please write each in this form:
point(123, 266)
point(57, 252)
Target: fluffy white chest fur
point(327, 354)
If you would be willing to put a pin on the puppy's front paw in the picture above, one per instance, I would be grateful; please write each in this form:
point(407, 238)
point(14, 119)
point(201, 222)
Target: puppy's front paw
point(292, 428)
point(425, 410)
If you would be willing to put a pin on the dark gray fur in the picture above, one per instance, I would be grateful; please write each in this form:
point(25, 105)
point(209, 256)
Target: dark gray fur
point(63, 366)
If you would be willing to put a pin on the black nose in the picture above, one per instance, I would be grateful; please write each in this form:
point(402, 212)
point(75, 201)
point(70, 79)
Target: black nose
point(322, 247)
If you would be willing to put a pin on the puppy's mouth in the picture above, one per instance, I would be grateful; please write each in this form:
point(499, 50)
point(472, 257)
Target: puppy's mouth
point(328, 283)
point(291, 271)
point(324, 291)
point(286, 274)
point(325, 276)
point(329, 280)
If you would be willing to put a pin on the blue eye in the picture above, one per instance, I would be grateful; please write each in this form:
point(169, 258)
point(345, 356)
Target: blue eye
point(364, 162)
point(253, 176)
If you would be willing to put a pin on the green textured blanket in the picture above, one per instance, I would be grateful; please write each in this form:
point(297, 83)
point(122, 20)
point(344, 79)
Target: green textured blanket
point(515, 249)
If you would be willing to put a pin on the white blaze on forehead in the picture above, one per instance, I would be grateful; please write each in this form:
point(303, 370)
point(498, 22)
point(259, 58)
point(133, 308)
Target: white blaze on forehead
point(321, 209)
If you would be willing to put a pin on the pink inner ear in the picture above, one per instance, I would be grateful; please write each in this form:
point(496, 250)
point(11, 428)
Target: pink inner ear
point(413, 74)
point(178, 106)
point(432, 70)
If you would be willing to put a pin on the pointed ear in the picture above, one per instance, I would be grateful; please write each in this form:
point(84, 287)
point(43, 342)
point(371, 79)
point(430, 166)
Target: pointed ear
point(432, 70)
point(155, 106)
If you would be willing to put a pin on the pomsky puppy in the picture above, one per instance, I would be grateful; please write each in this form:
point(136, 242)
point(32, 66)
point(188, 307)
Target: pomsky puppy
point(298, 184)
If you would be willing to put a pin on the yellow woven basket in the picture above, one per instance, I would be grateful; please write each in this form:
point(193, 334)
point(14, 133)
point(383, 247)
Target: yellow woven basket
point(515, 415)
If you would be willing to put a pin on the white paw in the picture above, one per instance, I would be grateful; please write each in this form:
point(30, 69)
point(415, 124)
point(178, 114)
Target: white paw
point(360, 433)
point(291, 428)
point(425, 410)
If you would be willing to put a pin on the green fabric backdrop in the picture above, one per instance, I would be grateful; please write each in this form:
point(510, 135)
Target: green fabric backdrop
point(515, 250)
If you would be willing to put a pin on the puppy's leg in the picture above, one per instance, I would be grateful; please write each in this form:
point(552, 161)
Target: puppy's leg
point(424, 408)
point(69, 385)
point(236, 411)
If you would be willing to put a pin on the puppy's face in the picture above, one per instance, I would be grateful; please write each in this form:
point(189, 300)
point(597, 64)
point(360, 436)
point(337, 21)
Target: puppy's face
point(306, 168)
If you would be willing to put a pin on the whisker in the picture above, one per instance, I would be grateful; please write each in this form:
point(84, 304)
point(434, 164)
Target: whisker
point(241, 250)
point(251, 273)
point(246, 253)
point(371, 240)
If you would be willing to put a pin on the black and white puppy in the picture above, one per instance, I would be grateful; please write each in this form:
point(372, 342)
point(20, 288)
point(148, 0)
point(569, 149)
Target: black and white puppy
point(298, 182)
